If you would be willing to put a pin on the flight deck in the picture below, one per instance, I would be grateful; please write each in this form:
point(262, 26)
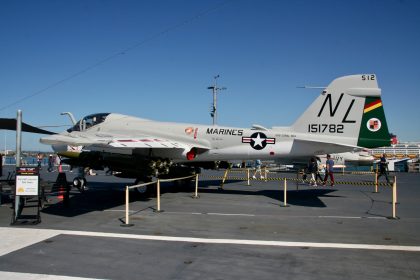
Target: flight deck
point(240, 232)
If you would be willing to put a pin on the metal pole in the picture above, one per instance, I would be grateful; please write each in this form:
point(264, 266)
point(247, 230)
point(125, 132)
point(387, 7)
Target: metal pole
point(158, 195)
point(247, 172)
point(215, 100)
point(394, 198)
point(376, 181)
point(127, 202)
point(18, 154)
point(18, 137)
point(396, 194)
point(196, 187)
point(214, 105)
point(285, 194)
point(127, 210)
point(224, 179)
point(215, 89)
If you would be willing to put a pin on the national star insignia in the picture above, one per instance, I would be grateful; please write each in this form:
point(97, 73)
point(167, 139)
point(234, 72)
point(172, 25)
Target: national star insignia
point(258, 140)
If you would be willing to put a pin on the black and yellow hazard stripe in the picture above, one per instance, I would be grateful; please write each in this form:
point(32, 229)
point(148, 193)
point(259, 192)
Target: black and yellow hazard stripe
point(354, 183)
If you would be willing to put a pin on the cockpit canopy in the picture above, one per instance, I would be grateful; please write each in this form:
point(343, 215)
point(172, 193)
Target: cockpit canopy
point(88, 122)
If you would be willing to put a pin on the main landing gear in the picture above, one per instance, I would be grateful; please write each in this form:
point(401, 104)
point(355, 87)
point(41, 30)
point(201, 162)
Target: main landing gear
point(144, 190)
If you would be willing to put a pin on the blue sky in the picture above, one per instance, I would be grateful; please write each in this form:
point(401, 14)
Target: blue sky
point(155, 59)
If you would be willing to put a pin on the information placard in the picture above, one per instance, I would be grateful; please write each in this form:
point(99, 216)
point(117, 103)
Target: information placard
point(26, 185)
point(27, 181)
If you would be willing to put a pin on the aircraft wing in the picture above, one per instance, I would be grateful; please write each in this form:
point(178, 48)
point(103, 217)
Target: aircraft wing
point(144, 142)
point(116, 141)
point(71, 140)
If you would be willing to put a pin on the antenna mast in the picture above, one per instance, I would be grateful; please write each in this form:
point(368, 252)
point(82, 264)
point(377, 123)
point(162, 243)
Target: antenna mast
point(215, 89)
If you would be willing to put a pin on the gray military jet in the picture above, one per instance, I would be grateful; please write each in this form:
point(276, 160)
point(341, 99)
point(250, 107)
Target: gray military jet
point(348, 114)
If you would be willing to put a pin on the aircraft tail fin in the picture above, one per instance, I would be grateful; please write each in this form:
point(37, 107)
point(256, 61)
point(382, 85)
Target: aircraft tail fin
point(351, 109)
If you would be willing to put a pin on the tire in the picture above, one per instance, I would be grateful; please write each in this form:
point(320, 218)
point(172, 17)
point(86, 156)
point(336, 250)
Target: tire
point(80, 184)
point(144, 190)
point(141, 190)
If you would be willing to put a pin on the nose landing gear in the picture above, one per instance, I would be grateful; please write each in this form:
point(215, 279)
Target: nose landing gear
point(80, 184)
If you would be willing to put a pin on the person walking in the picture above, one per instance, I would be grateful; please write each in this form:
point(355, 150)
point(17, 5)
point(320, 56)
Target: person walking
point(39, 161)
point(312, 168)
point(383, 168)
point(50, 163)
point(318, 169)
point(258, 169)
point(329, 171)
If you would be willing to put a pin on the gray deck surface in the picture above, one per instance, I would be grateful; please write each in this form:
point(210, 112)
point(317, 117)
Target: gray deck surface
point(344, 216)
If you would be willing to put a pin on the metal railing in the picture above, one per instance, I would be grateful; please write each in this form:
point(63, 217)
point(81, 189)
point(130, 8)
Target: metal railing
point(225, 177)
point(157, 182)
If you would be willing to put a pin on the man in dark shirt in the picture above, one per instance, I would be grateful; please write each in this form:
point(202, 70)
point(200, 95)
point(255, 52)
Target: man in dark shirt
point(383, 168)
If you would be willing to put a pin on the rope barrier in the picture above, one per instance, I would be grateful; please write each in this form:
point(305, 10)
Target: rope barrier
point(141, 185)
point(294, 179)
point(226, 176)
point(375, 183)
point(157, 182)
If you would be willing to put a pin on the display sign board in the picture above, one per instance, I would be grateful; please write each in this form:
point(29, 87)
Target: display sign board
point(27, 181)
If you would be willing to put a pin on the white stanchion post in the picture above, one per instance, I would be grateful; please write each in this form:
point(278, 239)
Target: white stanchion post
point(285, 194)
point(396, 193)
point(127, 211)
point(394, 198)
point(196, 187)
point(247, 172)
point(127, 202)
point(158, 196)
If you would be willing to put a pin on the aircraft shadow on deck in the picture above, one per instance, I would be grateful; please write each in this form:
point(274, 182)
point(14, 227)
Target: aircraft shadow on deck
point(305, 197)
point(102, 196)
point(99, 197)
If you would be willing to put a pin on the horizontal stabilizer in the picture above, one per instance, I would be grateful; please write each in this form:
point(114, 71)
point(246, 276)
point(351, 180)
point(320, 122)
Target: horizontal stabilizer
point(305, 146)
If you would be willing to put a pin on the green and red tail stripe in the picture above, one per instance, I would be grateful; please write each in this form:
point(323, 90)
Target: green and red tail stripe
point(373, 105)
point(373, 129)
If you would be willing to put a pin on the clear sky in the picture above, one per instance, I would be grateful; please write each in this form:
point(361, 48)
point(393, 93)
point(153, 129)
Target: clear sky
point(155, 59)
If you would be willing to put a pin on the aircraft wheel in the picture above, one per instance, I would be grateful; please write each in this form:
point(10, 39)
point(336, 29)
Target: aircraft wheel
point(141, 190)
point(80, 184)
point(144, 189)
